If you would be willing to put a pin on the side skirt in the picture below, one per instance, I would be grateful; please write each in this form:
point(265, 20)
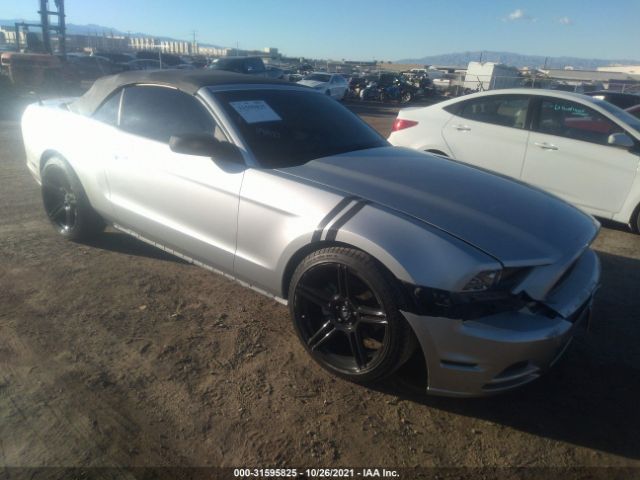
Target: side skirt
point(199, 263)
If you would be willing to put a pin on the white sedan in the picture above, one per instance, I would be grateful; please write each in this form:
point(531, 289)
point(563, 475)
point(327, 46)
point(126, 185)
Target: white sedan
point(584, 150)
point(332, 84)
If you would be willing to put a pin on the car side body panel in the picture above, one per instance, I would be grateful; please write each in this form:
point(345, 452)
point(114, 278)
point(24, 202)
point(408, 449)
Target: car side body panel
point(280, 214)
point(545, 160)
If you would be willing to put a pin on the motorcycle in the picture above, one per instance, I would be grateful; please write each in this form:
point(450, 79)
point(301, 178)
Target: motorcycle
point(399, 91)
point(370, 92)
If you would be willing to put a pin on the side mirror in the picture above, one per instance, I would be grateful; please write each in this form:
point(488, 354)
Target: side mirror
point(205, 146)
point(621, 140)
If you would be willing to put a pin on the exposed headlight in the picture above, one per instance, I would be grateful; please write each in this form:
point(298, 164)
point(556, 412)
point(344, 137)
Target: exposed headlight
point(504, 279)
point(487, 293)
point(483, 281)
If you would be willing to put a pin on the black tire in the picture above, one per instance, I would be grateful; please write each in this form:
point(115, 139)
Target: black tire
point(406, 97)
point(345, 309)
point(635, 222)
point(65, 202)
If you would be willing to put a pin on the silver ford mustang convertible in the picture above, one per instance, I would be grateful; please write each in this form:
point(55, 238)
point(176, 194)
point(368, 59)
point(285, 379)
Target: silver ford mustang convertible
point(379, 252)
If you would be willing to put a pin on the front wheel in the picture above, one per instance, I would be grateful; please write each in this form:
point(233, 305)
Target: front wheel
point(345, 311)
point(65, 202)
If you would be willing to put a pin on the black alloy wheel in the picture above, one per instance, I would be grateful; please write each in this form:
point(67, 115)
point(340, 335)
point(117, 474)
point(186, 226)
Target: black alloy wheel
point(60, 202)
point(66, 203)
point(635, 220)
point(346, 317)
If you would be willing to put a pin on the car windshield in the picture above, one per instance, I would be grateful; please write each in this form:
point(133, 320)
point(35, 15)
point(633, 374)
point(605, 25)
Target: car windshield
point(619, 113)
point(319, 77)
point(285, 128)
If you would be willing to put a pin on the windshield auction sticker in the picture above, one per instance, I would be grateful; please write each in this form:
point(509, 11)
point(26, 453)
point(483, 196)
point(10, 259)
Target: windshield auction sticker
point(255, 111)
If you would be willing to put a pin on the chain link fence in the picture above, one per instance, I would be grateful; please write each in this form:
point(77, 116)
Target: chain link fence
point(463, 83)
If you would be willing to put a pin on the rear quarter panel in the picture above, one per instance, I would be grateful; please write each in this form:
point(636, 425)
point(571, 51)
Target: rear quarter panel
point(50, 129)
point(427, 134)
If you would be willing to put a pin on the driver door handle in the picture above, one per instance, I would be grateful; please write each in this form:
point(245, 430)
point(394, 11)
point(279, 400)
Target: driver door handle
point(462, 128)
point(546, 146)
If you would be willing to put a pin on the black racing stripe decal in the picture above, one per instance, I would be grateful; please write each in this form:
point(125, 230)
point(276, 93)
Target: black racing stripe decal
point(332, 233)
point(329, 216)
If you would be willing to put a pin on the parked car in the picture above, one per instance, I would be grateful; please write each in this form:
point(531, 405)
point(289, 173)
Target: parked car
point(144, 64)
point(116, 58)
point(246, 65)
point(167, 59)
point(290, 75)
point(91, 68)
point(378, 251)
point(331, 84)
point(274, 72)
point(635, 111)
point(619, 99)
point(185, 66)
point(584, 150)
point(394, 87)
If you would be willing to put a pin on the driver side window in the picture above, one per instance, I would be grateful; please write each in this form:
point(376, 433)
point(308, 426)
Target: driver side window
point(573, 120)
point(158, 113)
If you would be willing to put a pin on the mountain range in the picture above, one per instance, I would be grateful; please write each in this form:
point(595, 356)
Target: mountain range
point(515, 59)
point(460, 59)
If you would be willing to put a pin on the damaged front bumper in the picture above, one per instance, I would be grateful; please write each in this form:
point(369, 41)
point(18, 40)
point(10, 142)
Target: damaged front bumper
point(504, 350)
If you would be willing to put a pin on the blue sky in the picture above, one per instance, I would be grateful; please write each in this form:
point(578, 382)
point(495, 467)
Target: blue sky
point(375, 29)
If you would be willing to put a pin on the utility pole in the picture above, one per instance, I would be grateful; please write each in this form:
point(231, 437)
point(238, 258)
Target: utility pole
point(194, 48)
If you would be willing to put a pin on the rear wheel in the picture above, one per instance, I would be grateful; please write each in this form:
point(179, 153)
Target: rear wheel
point(66, 203)
point(635, 224)
point(345, 311)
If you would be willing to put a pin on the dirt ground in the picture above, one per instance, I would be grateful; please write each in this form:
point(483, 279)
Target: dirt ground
point(115, 354)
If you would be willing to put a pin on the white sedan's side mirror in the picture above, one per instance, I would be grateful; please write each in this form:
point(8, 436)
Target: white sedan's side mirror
point(620, 140)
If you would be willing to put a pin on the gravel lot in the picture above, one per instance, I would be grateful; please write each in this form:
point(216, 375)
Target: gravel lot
point(115, 354)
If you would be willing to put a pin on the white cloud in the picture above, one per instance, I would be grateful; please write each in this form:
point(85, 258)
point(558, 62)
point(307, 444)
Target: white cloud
point(565, 21)
point(518, 14)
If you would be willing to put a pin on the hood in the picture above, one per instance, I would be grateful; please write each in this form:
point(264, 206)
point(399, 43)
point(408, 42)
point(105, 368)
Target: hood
point(517, 224)
point(311, 83)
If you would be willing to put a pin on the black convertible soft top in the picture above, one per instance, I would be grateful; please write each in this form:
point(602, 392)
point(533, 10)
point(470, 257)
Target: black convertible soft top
point(189, 81)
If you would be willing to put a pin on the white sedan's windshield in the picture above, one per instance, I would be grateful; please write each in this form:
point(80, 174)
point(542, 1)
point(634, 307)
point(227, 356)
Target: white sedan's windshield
point(619, 113)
